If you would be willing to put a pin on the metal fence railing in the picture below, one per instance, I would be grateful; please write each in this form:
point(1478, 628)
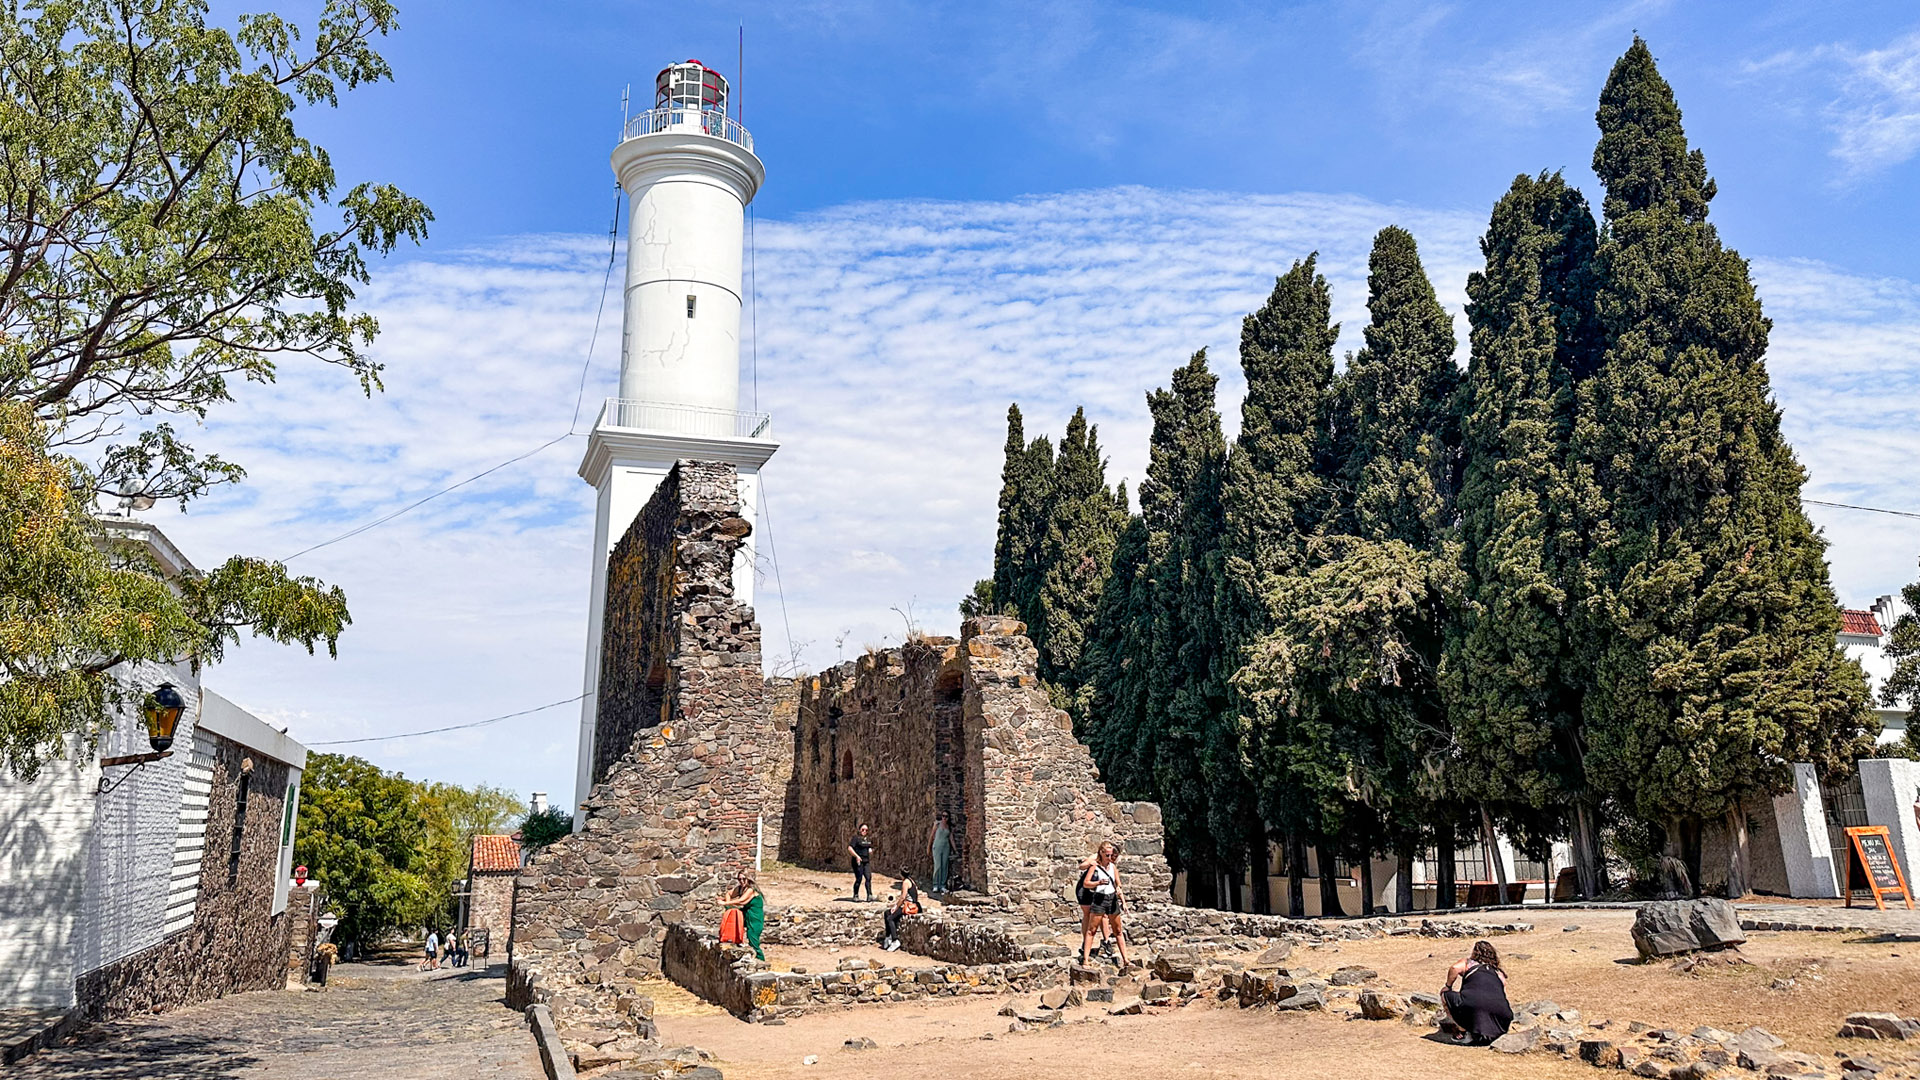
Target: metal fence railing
point(684, 419)
point(682, 118)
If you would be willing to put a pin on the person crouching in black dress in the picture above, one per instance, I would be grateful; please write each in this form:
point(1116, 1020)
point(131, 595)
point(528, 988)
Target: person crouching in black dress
point(1478, 1011)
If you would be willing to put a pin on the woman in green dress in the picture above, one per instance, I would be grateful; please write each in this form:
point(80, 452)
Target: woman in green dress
point(753, 908)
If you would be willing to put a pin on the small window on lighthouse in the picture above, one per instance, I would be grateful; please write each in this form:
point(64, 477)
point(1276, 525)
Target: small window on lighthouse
point(690, 303)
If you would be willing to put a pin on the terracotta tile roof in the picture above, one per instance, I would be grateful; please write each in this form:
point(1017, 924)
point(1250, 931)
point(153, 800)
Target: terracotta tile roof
point(1859, 622)
point(495, 853)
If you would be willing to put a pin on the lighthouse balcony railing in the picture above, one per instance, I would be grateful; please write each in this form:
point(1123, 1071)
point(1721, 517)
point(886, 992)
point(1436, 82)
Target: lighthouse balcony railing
point(680, 118)
point(684, 419)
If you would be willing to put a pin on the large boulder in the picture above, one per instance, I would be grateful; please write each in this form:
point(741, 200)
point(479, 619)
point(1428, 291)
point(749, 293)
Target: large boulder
point(1673, 927)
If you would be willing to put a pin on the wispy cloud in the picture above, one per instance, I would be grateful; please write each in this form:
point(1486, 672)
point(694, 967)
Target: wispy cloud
point(1873, 110)
point(1524, 69)
point(892, 336)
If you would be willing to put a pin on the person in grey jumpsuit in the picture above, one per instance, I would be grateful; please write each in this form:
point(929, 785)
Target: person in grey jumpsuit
point(942, 848)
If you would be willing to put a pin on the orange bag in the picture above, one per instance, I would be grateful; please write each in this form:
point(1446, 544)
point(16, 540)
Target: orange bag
point(733, 927)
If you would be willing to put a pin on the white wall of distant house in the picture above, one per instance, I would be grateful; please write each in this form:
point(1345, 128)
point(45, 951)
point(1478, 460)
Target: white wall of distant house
point(1871, 654)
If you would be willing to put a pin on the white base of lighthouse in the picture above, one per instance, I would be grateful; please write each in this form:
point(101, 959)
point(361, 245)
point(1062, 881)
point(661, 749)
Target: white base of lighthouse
point(625, 465)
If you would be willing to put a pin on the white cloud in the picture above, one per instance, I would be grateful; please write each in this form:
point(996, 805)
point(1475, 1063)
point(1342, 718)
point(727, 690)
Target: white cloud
point(892, 337)
point(1874, 110)
point(1878, 114)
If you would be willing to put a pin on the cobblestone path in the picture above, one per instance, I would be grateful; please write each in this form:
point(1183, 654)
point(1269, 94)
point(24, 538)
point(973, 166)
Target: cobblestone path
point(1895, 922)
point(374, 1021)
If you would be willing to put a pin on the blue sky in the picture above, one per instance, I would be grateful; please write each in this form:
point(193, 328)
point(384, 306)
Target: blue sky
point(970, 204)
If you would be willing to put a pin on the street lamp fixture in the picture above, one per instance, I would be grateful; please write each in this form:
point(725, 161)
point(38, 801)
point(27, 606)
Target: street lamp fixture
point(162, 709)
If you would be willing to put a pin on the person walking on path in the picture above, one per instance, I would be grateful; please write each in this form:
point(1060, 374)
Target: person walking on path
point(904, 902)
point(1102, 880)
point(432, 962)
point(1479, 1011)
point(1084, 897)
point(861, 848)
point(751, 903)
point(941, 845)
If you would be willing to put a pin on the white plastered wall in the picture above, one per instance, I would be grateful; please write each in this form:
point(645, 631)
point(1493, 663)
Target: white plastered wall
point(1892, 790)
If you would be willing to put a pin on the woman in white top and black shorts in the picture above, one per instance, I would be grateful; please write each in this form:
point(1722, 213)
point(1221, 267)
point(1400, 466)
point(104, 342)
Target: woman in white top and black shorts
point(1101, 883)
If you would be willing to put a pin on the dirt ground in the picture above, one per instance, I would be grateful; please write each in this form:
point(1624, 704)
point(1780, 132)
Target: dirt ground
point(1589, 968)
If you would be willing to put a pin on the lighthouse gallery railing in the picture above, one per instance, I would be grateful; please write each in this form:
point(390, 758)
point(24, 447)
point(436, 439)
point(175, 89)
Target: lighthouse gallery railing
point(683, 419)
point(679, 118)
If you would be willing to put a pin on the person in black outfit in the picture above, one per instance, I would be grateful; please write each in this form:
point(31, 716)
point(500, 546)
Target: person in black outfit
point(905, 902)
point(861, 848)
point(1478, 1011)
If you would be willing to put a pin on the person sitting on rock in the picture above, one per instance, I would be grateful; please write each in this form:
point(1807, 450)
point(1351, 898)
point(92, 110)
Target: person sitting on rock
point(1478, 1012)
point(751, 904)
point(905, 901)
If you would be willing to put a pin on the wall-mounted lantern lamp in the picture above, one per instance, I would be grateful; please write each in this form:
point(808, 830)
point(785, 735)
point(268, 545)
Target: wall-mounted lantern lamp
point(161, 710)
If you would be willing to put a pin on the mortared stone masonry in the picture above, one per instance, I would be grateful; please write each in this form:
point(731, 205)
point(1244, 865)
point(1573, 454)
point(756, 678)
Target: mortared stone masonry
point(694, 749)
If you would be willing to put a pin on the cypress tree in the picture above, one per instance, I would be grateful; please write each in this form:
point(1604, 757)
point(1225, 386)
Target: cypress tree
point(1271, 498)
point(1719, 664)
point(1026, 499)
point(1152, 658)
point(1355, 655)
point(1083, 523)
point(1514, 676)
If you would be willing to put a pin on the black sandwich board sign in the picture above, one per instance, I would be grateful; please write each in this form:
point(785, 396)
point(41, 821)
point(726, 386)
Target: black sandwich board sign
point(1873, 854)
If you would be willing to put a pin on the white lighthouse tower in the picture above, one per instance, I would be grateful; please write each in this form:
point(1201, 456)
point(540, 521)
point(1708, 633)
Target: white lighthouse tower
point(689, 171)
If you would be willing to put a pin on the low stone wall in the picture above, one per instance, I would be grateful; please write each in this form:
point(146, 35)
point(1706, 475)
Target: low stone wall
point(730, 977)
point(811, 929)
point(1163, 922)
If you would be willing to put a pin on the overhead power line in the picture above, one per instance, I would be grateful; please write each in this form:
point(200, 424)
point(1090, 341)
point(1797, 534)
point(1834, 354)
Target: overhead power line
point(451, 727)
point(613, 242)
point(1868, 509)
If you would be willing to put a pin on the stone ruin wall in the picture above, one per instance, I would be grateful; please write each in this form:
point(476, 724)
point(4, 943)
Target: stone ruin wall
point(681, 737)
point(880, 740)
point(962, 726)
point(693, 746)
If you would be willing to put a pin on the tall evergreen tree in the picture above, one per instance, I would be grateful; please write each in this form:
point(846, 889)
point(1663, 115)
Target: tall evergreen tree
point(1026, 499)
point(1356, 650)
point(1514, 676)
point(1271, 498)
point(1719, 664)
point(1152, 658)
point(1083, 524)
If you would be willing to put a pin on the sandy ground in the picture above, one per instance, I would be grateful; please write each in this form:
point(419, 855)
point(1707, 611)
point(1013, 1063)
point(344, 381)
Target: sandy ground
point(1589, 968)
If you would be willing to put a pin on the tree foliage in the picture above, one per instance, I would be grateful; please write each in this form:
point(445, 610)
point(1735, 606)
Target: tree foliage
point(1083, 523)
point(1515, 675)
point(389, 850)
point(1720, 663)
point(76, 601)
point(538, 829)
point(1573, 590)
point(1151, 665)
point(168, 234)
